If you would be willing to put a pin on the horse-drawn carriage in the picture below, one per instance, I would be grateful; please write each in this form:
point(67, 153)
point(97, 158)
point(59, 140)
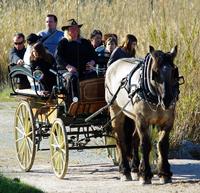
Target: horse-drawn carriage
point(143, 90)
point(48, 115)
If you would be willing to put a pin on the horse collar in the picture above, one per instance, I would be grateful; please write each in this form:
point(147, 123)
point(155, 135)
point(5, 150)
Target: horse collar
point(146, 92)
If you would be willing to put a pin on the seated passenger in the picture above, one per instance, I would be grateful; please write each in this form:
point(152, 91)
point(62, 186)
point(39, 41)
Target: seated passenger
point(31, 40)
point(40, 59)
point(16, 55)
point(75, 55)
point(96, 38)
point(127, 50)
point(104, 55)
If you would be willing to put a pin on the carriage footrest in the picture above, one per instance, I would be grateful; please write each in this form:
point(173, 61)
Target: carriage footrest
point(92, 147)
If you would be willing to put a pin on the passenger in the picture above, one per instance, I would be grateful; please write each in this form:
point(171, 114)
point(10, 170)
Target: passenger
point(127, 50)
point(40, 59)
point(104, 55)
point(16, 55)
point(31, 40)
point(108, 35)
point(51, 36)
point(17, 52)
point(76, 55)
point(96, 38)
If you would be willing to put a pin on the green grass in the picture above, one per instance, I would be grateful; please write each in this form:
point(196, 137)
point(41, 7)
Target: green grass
point(5, 94)
point(15, 186)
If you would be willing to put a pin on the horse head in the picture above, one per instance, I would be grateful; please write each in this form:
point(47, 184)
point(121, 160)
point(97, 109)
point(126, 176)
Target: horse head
point(164, 76)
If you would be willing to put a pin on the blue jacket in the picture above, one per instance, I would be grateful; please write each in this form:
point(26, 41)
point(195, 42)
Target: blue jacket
point(50, 39)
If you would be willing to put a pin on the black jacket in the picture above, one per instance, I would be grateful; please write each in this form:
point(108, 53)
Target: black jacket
point(49, 79)
point(75, 53)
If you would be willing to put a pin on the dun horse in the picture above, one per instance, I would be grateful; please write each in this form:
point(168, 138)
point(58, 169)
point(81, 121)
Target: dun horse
point(145, 92)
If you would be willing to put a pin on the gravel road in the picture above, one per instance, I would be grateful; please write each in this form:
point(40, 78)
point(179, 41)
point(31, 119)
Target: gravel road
point(90, 171)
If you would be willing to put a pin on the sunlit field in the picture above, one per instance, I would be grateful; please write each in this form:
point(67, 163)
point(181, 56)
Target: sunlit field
point(159, 23)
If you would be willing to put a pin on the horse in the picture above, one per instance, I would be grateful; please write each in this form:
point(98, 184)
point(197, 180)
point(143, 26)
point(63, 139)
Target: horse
point(141, 93)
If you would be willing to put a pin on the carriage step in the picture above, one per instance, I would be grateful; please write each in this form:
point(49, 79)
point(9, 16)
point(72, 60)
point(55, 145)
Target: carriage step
point(92, 147)
point(43, 149)
point(84, 147)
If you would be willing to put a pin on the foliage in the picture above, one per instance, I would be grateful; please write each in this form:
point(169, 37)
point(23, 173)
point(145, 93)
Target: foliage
point(9, 186)
point(160, 23)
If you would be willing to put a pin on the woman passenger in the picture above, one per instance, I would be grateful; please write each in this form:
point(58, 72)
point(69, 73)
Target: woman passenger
point(41, 59)
point(104, 55)
point(127, 50)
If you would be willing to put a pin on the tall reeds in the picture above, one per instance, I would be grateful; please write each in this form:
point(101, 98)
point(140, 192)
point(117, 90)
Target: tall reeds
point(160, 23)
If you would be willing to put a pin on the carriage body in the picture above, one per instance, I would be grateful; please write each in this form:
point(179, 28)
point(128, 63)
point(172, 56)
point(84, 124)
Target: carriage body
point(50, 116)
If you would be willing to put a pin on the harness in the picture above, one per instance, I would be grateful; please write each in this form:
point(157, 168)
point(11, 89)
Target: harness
point(147, 93)
point(144, 90)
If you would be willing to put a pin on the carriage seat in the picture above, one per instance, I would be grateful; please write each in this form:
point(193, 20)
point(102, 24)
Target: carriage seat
point(16, 71)
point(92, 97)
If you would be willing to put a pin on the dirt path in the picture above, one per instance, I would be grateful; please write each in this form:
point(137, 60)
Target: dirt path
point(89, 171)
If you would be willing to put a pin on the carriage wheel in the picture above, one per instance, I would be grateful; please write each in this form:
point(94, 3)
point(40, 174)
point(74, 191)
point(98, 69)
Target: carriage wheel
point(112, 151)
point(59, 148)
point(25, 136)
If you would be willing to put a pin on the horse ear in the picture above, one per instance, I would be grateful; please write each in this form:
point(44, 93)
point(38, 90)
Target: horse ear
point(151, 49)
point(174, 51)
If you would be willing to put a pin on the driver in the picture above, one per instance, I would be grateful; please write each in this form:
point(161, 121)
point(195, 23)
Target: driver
point(76, 56)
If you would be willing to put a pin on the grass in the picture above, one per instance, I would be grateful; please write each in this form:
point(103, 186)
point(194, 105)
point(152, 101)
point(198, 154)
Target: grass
point(5, 94)
point(15, 186)
point(162, 24)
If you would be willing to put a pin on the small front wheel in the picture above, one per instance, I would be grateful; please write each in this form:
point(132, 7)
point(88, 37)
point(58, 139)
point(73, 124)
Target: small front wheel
point(59, 150)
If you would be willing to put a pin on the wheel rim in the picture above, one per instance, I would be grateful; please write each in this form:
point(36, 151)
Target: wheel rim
point(59, 148)
point(24, 136)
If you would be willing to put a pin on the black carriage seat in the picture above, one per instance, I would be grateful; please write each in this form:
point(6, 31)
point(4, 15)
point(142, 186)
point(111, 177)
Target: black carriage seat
point(92, 97)
point(16, 71)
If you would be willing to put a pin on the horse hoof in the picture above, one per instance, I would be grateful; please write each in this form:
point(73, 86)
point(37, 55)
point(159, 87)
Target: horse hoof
point(142, 181)
point(126, 177)
point(134, 176)
point(165, 180)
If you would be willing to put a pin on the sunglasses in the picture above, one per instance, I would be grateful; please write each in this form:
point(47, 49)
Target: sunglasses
point(18, 43)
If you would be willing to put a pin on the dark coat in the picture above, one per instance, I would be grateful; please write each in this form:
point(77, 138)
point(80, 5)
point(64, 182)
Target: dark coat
point(117, 54)
point(75, 53)
point(49, 79)
point(15, 55)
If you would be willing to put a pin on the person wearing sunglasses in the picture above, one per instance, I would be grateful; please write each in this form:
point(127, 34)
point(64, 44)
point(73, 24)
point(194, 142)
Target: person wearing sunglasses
point(17, 52)
point(16, 55)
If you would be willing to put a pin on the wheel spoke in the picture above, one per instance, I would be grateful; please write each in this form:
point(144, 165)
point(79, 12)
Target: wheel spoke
point(20, 131)
point(20, 121)
point(29, 147)
point(54, 155)
point(19, 139)
point(21, 146)
point(30, 141)
point(29, 133)
point(55, 138)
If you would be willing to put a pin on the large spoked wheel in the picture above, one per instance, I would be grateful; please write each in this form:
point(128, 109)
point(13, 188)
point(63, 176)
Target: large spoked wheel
point(59, 151)
point(25, 136)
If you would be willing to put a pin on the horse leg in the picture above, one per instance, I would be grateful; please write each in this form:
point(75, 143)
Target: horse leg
point(132, 144)
point(118, 124)
point(145, 145)
point(135, 161)
point(163, 149)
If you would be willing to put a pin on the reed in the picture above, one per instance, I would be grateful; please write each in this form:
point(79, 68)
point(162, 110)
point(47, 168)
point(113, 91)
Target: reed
point(160, 23)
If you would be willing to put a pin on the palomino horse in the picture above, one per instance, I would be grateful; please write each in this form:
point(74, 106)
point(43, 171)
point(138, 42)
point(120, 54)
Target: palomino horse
point(146, 92)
